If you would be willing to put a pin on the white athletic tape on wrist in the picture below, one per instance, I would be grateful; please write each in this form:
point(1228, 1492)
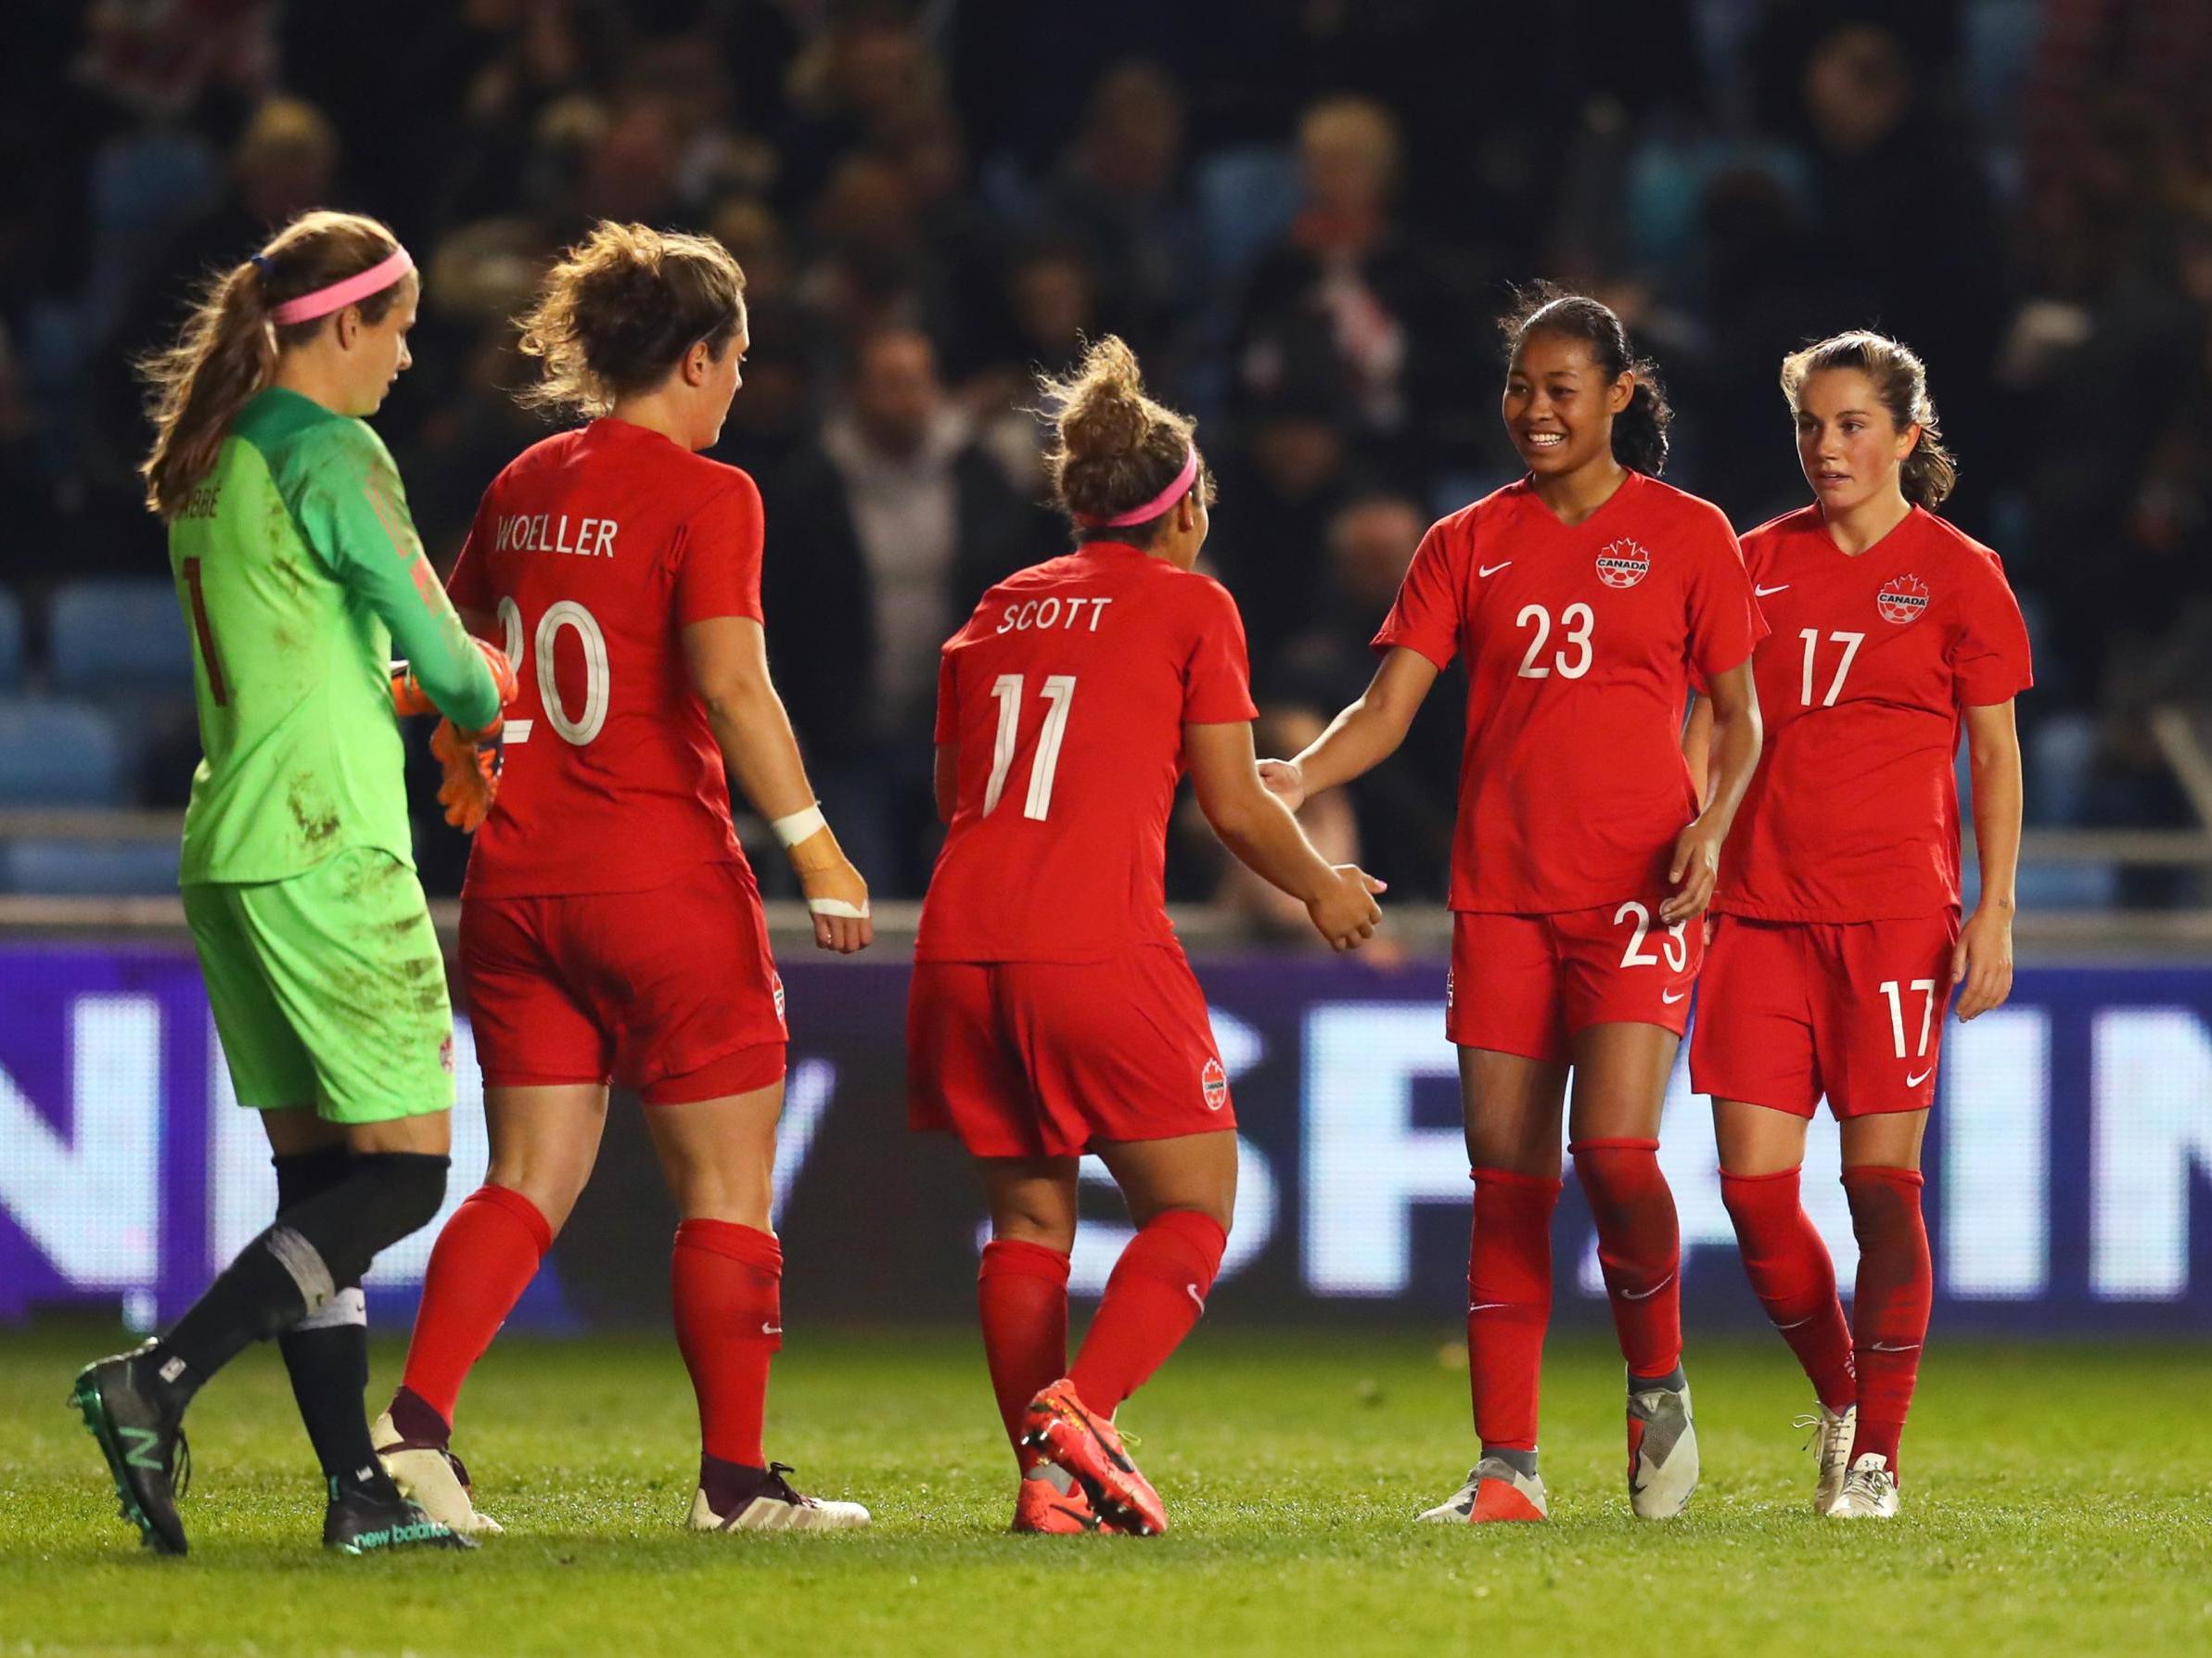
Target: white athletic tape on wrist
point(839, 909)
point(798, 826)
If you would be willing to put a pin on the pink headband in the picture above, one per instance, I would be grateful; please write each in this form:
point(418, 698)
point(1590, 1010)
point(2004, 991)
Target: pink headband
point(1152, 508)
point(340, 295)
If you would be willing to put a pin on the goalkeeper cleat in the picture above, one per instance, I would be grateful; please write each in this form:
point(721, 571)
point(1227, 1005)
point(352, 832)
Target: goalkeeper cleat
point(1495, 1490)
point(1662, 1453)
point(1043, 1507)
point(144, 1442)
point(773, 1504)
point(433, 1478)
point(1065, 1430)
point(357, 1523)
point(1829, 1438)
point(1869, 1491)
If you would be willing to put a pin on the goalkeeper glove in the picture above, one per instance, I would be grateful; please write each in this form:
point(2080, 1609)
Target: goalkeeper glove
point(409, 697)
point(471, 774)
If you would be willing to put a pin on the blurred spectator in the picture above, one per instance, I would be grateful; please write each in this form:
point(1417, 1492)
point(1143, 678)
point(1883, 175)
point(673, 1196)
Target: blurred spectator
point(1371, 541)
point(880, 539)
point(1353, 287)
point(1278, 488)
point(1266, 912)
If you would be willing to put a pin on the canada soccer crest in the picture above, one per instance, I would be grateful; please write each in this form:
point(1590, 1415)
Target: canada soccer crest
point(1903, 600)
point(1622, 564)
point(1214, 1083)
point(779, 996)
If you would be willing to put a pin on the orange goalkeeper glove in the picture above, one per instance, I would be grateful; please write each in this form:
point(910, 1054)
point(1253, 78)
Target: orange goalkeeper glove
point(471, 779)
point(409, 697)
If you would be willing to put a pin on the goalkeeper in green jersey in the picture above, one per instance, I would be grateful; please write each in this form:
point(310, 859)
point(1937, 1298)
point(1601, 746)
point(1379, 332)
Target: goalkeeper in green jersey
point(300, 573)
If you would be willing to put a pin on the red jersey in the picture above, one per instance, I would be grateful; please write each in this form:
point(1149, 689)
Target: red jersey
point(1580, 640)
point(1066, 693)
point(1853, 812)
point(593, 549)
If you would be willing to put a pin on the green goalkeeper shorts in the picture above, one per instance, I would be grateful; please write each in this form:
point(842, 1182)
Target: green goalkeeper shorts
point(328, 989)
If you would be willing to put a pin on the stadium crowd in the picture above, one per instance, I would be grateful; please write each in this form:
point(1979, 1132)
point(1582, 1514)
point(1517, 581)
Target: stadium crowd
point(1304, 216)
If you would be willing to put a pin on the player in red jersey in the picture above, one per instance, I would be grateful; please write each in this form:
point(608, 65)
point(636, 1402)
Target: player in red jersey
point(1836, 939)
point(610, 926)
point(1583, 598)
point(1052, 1013)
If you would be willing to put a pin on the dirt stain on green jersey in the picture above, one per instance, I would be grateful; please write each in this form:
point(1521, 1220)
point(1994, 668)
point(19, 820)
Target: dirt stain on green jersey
point(314, 816)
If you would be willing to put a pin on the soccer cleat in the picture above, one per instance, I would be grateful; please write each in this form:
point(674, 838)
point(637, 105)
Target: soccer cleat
point(1495, 1490)
point(1065, 1430)
point(1869, 1491)
point(775, 1505)
point(356, 1523)
point(144, 1443)
point(1040, 1507)
point(1662, 1453)
point(1830, 1437)
point(433, 1478)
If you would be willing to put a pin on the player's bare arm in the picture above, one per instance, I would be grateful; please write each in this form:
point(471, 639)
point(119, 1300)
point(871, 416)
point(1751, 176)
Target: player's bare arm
point(1734, 744)
point(1361, 737)
point(1256, 825)
point(1982, 964)
point(728, 660)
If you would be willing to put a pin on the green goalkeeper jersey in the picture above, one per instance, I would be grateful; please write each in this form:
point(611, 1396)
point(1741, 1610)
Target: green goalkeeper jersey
point(298, 571)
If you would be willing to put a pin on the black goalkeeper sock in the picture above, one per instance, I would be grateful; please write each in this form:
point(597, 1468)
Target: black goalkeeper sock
point(295, 1267)
point(326, 1353)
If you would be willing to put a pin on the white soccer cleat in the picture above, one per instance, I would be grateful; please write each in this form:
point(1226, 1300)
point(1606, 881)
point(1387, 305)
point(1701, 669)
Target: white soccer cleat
point(1831, 1441)
point(1662, 1453)
point(433, 1479)
point(1495, 1490)
point(1869, 1491)
point(778, 1506)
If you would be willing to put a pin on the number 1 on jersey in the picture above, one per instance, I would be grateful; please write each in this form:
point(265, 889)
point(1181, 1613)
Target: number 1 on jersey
point(1059, 691)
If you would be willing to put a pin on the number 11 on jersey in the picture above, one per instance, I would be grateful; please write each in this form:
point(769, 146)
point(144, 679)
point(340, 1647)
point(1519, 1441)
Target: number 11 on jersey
point(1059, 691)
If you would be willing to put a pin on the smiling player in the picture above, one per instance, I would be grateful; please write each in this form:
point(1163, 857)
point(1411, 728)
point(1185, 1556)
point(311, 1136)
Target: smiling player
point(1837, 943)
point(1583, 598)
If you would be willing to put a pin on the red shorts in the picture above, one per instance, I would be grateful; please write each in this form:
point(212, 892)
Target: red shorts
point(1527, 984)
point(1041, 1059)
point(1791, 1011)
point(672, 991)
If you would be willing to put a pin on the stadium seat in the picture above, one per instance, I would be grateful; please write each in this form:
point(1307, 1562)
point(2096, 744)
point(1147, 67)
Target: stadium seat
point(106, 636)
point(97, 868)
point(59, 754)
point(11, 643)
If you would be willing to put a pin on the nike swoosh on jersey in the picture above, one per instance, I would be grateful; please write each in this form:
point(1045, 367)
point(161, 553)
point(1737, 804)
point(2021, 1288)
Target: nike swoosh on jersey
point(1491, 570)
point(1647, 1295)
point(1192, 1291)
point(1916, 1081)
point(1763, 592)
point(1670, 999)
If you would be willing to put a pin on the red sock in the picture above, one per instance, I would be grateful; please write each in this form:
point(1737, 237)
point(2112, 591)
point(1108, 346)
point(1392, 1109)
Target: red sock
point(1021, 1292)
point(1792, 1278)
point(484, 1261)
point(728, 1281)
point(1639, 1247)
point(1890, 1316)
point(1157, 1290)
point(1509, 1303)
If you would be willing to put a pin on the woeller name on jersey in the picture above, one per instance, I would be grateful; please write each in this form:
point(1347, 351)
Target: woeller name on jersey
point(548, 532)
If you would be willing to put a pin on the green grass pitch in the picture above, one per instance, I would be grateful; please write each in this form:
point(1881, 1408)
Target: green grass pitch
point(2057, 1502)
